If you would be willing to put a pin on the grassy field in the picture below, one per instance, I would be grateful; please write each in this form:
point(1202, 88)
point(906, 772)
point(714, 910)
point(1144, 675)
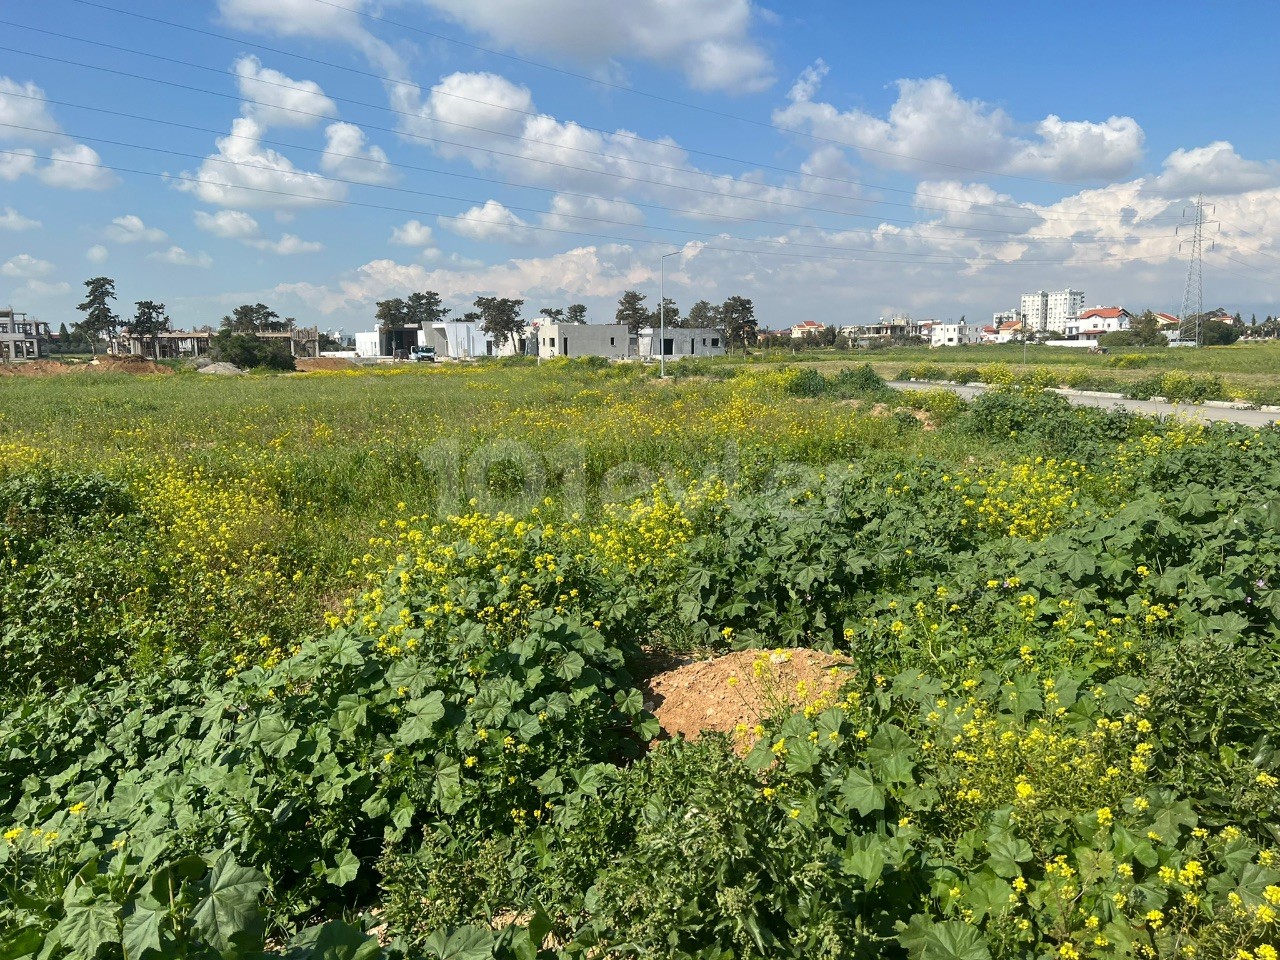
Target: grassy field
point(354, 665)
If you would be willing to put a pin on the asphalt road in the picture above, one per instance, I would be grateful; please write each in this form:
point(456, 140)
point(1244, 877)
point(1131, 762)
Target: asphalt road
point(1190, 411)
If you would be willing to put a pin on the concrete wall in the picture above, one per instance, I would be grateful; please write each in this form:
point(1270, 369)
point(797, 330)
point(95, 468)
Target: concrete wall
point(683, 342)
point(583, 340)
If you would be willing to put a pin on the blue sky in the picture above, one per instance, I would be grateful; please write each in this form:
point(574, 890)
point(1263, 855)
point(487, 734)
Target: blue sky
point(832, 161)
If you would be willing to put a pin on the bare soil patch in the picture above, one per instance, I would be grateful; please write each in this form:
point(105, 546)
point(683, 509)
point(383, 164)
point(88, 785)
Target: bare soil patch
point(739, 690)
point(311, 364)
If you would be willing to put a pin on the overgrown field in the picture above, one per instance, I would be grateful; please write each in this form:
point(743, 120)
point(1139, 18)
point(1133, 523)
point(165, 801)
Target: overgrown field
point(350, 665)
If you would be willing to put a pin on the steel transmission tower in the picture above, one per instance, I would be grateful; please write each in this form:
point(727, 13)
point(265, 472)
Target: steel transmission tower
point(1193, 295)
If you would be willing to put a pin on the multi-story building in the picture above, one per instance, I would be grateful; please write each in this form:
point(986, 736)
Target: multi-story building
point(22, 338)
point(1054, 310)
point(954, 334)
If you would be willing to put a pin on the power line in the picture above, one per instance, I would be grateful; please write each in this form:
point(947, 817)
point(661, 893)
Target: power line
point(335, 201)
point(1009, 236)
point(534, 63)
point(498, 106)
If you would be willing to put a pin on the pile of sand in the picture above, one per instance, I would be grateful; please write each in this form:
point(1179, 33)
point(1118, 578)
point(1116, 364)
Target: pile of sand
point(50, 368)
point(134, 365)
point(37, 368)
point(221, 369)
point(311, 364)
point(692, 696)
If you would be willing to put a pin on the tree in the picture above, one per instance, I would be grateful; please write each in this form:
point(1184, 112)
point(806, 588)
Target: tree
point(392, 314)
point(500, 318)
point(670, 314)
point(577, 313)
point(553, 314)
point(148, 323)
point(703, 315)
point(64, 338)
point(246, 351)
point(1144, 331)
point(741, 328)
point(251, 318)
point(1218, 333)
point(99, 320)
point(424, 309)
point(471, 316)
point(631, 311)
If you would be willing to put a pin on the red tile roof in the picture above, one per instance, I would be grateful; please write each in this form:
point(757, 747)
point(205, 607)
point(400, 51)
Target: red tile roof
point(1104, 313)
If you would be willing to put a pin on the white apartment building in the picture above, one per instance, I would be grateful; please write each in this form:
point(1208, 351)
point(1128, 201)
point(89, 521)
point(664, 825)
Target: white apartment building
point(1054, 310)
point(954, 334)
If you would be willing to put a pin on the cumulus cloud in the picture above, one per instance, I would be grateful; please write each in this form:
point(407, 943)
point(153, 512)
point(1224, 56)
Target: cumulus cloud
point(24, 266)
point(709, 39)
point(77, 167)
point(244, 173)
point(491, 222)
point(305, 18)
point(1214, 169)
point(584, 213)
point(286, 246)
point(12, 220)
point(930, 125)
point(131, 229)
point(17, 163)
point(467, 110)
point(228, 224)
point(23, 105)
point(177, 257)
point(97, 254)
point(276, 100)
point(412, 234)
point(347, 156)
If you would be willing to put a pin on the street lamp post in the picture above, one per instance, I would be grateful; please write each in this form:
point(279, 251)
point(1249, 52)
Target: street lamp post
point(662, 312)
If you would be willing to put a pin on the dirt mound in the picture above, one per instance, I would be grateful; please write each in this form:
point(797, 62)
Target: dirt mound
point(741, 689)
point(38, 368)
point(311, 364)
point(221, 369)
point(134, 365)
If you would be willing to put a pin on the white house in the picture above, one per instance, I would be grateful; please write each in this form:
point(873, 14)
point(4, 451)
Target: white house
point(681, 342)
point(583, 340)
point(953, 334)
point(1105, 320)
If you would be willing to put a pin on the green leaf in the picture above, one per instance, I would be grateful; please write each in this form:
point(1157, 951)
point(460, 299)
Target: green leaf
point(950, 940)
point(630, 702)
point(229, 914)
point(87, 925)
point(274, 734)
point(141, 932)
point(890, 753)
point(423, 714)
point(1005, 852)
point(21, 943)
point(334, 940)
point(345, 867)
point(466, 943)
point(860, 792)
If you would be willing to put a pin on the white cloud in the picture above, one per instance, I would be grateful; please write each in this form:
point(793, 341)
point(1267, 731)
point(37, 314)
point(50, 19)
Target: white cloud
point(176, 256)
point(585, 213)
point(491, 222)
point(412, 234)
point(346, 156)
point(228, 224)
point(23, 105)
point(97, 254)
point(77, 167)
point(930, 125)
point(709, 39)
point(287, 245)
point(1215, 169)
point(40, 289)
point(25, 266)
point(131, 229)
point(271, 178)
point(17, 163)
point(305, 18)
point(11, 219)
point(276, 100)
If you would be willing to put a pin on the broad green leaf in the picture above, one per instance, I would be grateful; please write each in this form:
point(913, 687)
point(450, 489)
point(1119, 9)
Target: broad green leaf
point(861, 793)
point(229, 914)
point(345, 868)
point(141, 932)
point(422, 715)
point(335, 940)
point(466, 943)
point(87, 925)
point(1005, 852)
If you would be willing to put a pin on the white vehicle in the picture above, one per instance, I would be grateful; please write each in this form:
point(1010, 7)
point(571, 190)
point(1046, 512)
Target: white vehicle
point(423, 354)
